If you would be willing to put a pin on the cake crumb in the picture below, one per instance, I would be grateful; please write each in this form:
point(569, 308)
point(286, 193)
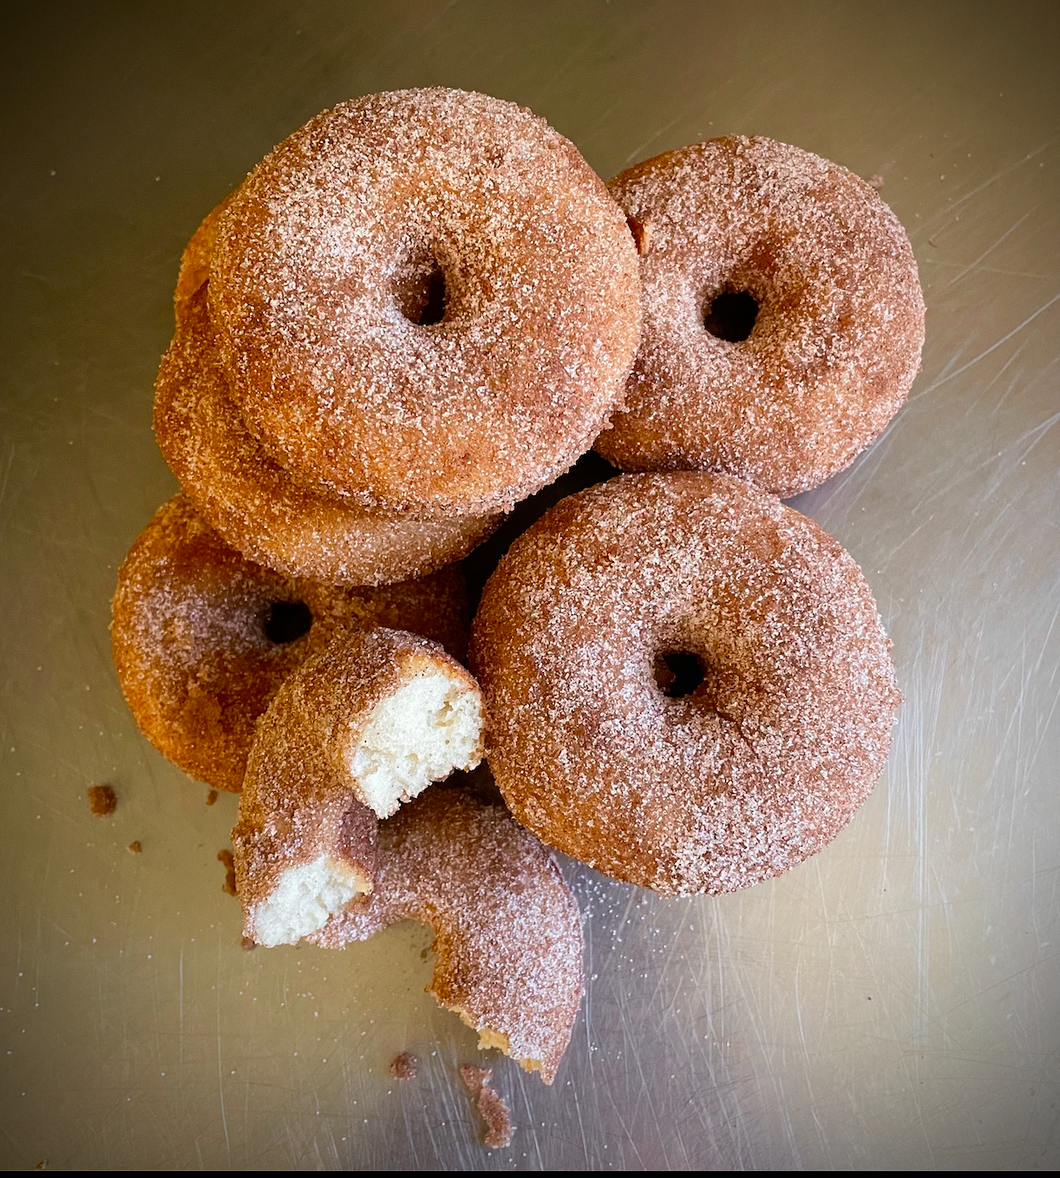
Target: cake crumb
point(405, 1066)
point(248, 943)
point(211, 797)
point(876, 181)
point(490, 1105)
point(101, 801)
point(134, 847)
point(228, 860)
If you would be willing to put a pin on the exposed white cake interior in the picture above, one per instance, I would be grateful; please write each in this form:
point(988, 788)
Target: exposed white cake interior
point(304, 899)
point(420, 733)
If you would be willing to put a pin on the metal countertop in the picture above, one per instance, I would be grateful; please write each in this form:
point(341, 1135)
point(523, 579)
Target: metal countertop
point(892, 1003)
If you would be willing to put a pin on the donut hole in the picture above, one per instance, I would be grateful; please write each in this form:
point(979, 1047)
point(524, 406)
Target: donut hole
point(679, 673)
point(419, 289)
point(731, 315)
point(287, 621)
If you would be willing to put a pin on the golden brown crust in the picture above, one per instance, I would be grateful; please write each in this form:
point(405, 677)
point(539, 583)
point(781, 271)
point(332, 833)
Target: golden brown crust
point(256, 505)
point(758, 768)
point(839, 330)
point(542, 302)
point(508, 938)
point(190, 643)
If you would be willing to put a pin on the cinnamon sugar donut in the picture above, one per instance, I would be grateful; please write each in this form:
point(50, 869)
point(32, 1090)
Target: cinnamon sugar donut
point(203, 638)
point(255, 504)
point(783, 317)
point(425, 301)
point(508, 939)
point(714, 786)
point(363, 725)
point(194, 270)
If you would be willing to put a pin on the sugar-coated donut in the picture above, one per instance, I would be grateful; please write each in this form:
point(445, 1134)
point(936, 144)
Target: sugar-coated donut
point(427, 301)
point(203, 638)
point(194, 270)
point(745, 776)
point(508, 939)
point(363, 725)
point(783, 317)
point(256, 505)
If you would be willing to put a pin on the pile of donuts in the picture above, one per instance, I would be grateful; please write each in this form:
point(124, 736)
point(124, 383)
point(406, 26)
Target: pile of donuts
point(417, 311)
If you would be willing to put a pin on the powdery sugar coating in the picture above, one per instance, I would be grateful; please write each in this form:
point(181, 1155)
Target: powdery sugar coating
point(256, 505)
point(840, 325)
point(756, 770)
point(508, 939)
point(299, 797)
point(190, 643)
point(344, 221)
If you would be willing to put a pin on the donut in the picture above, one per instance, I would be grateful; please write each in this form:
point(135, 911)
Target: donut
point(363, 725)
point(508, 938)
point(194, 270)
point(255, 504)
point(203, 637)
point(783, 316)
point(425, 301)
point(778, 723)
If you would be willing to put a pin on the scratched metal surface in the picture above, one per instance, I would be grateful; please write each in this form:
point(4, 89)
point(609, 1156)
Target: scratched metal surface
point(892, 1003)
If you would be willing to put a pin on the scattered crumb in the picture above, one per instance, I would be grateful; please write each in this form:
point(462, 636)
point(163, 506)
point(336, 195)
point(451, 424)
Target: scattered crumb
point(101, 801)
point(876, 181)
point(492, 1107)
point(134, 847)
point(41, 1165)
point(211, 797)
point(405, 1066)
point(248, 944)
point(226, 858)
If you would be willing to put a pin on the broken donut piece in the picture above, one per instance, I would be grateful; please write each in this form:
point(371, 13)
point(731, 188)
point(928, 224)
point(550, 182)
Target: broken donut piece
point(364, 725)
point(508, 937)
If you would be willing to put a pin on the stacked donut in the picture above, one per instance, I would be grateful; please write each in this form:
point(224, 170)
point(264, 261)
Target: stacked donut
point(419, 309)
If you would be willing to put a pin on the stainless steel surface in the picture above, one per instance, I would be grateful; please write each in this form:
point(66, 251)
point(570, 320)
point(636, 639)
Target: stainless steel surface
point(891, 1003)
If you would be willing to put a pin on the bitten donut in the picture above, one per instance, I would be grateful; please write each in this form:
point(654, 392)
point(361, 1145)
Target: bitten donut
point(508, 938)
point(425, 301)
point(203, 638)
point(783, 317)
point(362, 726)
point(739, 770)
point(256, 505)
